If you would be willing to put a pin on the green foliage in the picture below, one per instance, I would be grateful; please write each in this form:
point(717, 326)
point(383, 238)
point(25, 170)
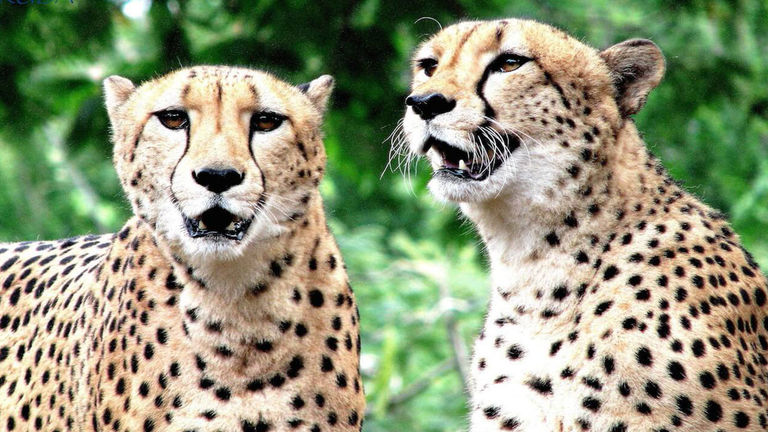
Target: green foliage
point(418, 271)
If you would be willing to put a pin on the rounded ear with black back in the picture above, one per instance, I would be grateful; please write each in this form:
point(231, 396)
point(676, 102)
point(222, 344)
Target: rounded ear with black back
point(637, 66)
point(318, 91)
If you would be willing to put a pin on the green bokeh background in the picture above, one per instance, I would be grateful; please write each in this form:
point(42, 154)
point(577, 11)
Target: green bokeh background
point(418, 270)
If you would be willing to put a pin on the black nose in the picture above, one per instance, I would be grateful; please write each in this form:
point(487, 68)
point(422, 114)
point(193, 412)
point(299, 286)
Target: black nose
point(431, 105)
point(217, 180)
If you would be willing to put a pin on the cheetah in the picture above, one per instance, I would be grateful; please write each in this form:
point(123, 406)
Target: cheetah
point(223, 303)
point(619, 302)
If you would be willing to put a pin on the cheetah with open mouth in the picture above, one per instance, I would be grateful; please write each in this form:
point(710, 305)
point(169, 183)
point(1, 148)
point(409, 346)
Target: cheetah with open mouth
point(619, 302)
point(223, 304)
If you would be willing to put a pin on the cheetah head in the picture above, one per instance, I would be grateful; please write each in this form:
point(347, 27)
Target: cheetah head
point(217, 158)
point(509, 107)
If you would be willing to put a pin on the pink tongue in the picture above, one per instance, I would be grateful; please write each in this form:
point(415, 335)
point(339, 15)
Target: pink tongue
point(449, 164)
point(475, 175)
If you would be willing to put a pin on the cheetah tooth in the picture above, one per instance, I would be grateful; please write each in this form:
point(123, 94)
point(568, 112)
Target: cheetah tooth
point(231, 226)
point(201, 225)
point(462, 165)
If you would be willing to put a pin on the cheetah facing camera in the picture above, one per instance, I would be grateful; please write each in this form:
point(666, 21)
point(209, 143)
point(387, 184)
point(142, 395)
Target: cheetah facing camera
point(223, 305)
point(619, 301)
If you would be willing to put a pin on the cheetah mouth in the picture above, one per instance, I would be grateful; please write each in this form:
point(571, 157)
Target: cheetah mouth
point(476, 166)
point(217, 223)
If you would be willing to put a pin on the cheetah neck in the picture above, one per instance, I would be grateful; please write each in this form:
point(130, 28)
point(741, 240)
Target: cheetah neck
point(534, 247)
point(289, 280)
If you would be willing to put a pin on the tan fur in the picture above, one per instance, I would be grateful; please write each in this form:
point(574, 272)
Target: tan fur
point(150, 329)
point(619, 302)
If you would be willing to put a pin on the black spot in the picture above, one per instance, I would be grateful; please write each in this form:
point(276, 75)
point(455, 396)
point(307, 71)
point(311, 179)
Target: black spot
point(624, 389)
point(332, 343)
point(643, 408)
point(259, 426)
point(741, 420)
point(162, 335)
point(510, 424)
point(591, 403)
point(277, 380)
point(713, 411)
point(676, 371)
point(224, 351)
point(571, 221)
point(491, 412)
point(353, 418)
point(620, 426)
point(610, 272)
point(541, 385)
point(297, 402)
point(602, 307)
point(223, 393)
point(275, 269)
point(341, 380)
point(652, 389)
point(300, 330)
point(326, 364)
point(552, 239)
point(698, 348)
point(255, 385)
point(608, 365)
point(707, 380)
point(684, 405)
point(555, 348)
point(644, 357)
point(316, 298)
point(295, 366)
point(263, 346)
point(582, 257)
point(593, 383)
point(515, 352)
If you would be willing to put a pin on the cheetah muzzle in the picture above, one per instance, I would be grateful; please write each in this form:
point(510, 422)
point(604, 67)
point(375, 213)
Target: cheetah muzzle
point(217, 223)
point(478, 165)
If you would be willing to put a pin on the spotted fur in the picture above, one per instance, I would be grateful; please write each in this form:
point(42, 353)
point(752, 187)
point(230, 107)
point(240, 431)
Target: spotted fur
point(619, 301)
point(150, 329)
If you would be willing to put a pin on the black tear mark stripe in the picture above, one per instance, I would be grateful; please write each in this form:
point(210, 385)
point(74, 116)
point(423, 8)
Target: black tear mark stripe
point(262, 199)
point(489, 112)
point(186, 149)
point(558, 88)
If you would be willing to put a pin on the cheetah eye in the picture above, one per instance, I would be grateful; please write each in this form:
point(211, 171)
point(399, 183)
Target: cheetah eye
point(428, 65)
point(173, 119)
point(508, 63)
point(266, 121)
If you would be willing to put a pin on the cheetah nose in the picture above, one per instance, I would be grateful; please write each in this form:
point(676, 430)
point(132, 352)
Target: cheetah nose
point(430, 106)
point(218, 180)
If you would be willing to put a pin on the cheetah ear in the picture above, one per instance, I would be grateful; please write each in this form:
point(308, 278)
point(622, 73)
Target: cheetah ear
point(637, 66)
point(318, 91)
point(116, 91)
